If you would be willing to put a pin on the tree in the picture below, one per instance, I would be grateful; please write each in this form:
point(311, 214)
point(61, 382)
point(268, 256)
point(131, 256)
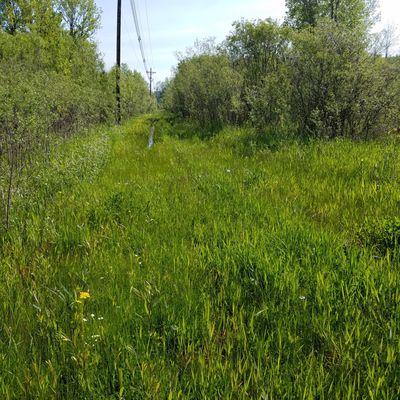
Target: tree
point(256, 48)
point(15, 15)
point(161, 88)
point(81, 17)
point(302, 13)
point(389, 38)
point(350, 13)
point(29, 16)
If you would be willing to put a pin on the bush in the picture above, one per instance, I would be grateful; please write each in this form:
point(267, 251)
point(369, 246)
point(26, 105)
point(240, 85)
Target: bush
point(134, 93)
point(318, 81)
point(338, 89)
point(205, 89)
point(53, 87)
point(258, 51)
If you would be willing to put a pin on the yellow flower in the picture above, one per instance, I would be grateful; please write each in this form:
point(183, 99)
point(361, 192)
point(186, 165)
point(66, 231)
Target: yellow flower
point(84, 295)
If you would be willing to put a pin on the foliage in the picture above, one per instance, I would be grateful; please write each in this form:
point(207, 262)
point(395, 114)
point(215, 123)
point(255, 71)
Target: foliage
point(319, 80)
point(29, 16)
point(81, 17)
point(134, 100)
point(205, 89)
point(52, 85)
point(338, 88)
point(259, 52)
point(160, 90)
point(257, 48)
point(352, 14)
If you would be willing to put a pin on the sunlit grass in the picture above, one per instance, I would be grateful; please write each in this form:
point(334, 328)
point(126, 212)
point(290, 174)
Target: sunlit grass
point(203, 270)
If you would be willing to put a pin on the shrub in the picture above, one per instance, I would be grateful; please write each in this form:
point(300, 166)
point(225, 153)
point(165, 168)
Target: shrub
point(134, 93)
point(318, 81)
point(53, 87)
point(205, 89)
point(338, 89)
point(258, 51)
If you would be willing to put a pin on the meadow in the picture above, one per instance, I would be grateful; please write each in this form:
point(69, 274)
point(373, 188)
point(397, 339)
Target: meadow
point(234, 267)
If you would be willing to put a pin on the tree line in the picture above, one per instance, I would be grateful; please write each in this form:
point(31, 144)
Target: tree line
point(53, 83)
point(320, 73)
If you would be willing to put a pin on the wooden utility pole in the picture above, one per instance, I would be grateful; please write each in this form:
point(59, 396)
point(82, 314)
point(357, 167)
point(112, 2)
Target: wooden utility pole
point(151, 73)
point(118, 70)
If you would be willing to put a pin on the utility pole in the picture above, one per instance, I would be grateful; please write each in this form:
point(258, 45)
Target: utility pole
point(151, 73)
point(118, 70)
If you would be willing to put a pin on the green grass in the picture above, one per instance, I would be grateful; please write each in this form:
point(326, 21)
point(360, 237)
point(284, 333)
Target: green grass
point(231, 268)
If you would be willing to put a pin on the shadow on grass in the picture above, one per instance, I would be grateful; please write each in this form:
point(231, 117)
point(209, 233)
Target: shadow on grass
point(246, 141)
point(243, 141)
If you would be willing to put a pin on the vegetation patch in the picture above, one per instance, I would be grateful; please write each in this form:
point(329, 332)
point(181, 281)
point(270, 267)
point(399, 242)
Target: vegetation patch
point(383, 236)
point(188, 272)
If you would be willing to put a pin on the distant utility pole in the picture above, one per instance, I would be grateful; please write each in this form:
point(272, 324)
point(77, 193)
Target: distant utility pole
point(118, 70)
point(151, 73)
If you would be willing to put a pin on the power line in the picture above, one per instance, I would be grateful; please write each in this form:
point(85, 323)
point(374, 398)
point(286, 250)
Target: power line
point(149, 34)
point(139, 35)
point(132, 42)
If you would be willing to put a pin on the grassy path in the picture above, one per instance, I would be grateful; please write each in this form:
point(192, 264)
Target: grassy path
point(212, 273)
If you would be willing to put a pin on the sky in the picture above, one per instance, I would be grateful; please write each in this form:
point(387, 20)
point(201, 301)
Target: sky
point(171, 26)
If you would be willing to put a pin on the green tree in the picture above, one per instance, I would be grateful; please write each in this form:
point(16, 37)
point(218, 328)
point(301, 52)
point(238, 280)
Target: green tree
point(45, 20)
point(29, 16)
point(350, 13)
point(15, 15)
point(161, 89)
point(81, 17)
point(302, 13)
point(257, 48)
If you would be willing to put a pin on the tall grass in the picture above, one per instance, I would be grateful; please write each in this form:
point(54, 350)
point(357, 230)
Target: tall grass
point(213, 272)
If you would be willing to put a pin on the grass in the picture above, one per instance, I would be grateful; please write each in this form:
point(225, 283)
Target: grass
point(217, 269)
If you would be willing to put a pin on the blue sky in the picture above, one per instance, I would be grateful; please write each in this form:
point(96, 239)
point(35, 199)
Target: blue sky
point(176, 24)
